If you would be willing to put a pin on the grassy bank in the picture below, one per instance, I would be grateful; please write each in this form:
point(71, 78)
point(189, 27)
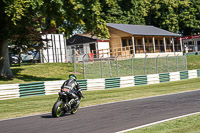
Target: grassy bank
point(189, 124)
point(193, 62)
point(59, 71)
point(40, 104)
point(43, 72)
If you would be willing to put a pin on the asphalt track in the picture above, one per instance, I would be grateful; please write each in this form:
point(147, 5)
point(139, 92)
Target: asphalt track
point(108, 118)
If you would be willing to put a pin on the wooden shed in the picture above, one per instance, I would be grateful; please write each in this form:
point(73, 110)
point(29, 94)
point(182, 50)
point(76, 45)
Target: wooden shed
point(142, 40)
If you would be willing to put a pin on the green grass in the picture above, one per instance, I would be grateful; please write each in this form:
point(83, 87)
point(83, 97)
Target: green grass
point(41, 104)
point(193, 62)
point(43, 72)
point(189, 124)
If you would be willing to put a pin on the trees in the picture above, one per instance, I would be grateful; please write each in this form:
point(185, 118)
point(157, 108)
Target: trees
point(24, 21)
point(179, 16)
point(189, 17)
point(126, 12)
point(164, 14)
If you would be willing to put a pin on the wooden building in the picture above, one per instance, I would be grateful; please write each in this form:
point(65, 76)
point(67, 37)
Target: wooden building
point(142, 40)
point(86, 44)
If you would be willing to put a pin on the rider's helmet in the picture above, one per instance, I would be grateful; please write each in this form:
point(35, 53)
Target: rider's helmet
point(72, 76)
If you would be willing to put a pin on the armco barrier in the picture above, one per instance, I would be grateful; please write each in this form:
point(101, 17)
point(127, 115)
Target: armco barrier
point(53, 87)
point(83, 84)
point(141, 80)
point(127, 81)
point(184, 75)
point(112, 83)
point(198, 73)
point(95, 84)
point(164, 77)
point(30, 89)
point(9, 91)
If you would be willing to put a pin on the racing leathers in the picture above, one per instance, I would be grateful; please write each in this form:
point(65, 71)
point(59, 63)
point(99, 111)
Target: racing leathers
point(72, 88)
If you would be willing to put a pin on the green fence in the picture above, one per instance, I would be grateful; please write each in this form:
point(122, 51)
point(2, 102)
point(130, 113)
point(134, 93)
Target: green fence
point(83, 84)
point(141, 80)
point(164, 77)
point(184, 75)
point(112, 83)
point(30, 89)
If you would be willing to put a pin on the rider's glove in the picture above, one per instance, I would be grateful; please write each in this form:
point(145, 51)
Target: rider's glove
point(80, 93)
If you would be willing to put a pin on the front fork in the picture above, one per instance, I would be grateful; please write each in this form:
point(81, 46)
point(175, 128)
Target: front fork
point(65, 108)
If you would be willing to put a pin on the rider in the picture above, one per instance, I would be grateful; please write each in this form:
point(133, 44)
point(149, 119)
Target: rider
point(72, 88)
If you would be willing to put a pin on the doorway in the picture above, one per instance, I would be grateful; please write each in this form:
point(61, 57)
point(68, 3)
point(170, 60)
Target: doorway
point(198, 45)
point(93, 49)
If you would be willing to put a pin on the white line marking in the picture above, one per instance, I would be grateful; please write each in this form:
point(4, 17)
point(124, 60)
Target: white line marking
point(150, 124)
point(108, 103)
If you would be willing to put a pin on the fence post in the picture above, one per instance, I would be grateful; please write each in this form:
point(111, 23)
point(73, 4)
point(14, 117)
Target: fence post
point(186, 62)
point(167, 63)
point(132, 66)
point(74, 60)
point(177, 61)
point(157, 64)
point(117, 66)
point(84, 66)
point(109, 67)
point(145, 71)
point(101, 68)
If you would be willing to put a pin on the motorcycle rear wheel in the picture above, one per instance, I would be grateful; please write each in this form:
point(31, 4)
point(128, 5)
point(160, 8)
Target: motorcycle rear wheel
point(58, 109)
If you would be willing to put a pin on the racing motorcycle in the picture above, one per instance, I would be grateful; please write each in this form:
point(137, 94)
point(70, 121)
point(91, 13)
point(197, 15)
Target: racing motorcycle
point(60, 107)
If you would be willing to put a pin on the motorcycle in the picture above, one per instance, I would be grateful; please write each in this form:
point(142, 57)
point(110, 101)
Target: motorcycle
point(60, 107)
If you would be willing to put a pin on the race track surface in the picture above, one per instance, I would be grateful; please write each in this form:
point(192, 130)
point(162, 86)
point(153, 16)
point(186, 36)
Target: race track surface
point(108, 118)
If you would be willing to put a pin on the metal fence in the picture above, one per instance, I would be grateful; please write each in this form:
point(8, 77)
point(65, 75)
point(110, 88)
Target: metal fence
point(118, 67)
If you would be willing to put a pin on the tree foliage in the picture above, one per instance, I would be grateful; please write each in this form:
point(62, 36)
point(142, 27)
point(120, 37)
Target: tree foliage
point(179, 16)
point(23, 22)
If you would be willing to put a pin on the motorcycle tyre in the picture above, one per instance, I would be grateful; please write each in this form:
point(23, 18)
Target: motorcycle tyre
point(74, 110)
point(58, 106)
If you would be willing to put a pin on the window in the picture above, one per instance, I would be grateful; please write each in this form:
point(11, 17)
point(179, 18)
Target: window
point(156, 42)
point(150, 40)
point(139, 42)
point(190, 43)
point(161, 42)
point(124, 42)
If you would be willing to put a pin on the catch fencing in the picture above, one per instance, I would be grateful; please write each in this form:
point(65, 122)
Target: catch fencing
point(119, 67)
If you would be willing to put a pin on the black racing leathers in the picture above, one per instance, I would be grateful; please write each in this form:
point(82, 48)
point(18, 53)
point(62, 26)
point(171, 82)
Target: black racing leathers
point(74, 88)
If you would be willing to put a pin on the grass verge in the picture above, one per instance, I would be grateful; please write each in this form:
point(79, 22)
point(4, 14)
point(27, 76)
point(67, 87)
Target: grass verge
point(189, 124)
point(41, 104)
point(43, 72)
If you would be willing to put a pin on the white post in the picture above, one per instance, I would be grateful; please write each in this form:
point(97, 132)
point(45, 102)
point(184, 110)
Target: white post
point(154, 47)
point(144, 44)
point(164, 43)
point(181, 44)
point(173, 45)
point(133, 45)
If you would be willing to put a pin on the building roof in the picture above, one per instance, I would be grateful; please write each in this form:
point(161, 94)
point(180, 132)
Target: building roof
point(83, 38)
point(80, 39)
point(146, 30)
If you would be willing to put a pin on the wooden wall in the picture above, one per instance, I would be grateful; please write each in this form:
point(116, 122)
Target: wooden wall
point(115, 39)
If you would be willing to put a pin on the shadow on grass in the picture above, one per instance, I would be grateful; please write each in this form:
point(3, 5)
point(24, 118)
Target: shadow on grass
point(33, 78)
point(27, 78)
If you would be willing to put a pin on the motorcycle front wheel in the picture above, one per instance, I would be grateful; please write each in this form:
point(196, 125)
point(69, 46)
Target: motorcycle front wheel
point(58, 109)
point(74, 110)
